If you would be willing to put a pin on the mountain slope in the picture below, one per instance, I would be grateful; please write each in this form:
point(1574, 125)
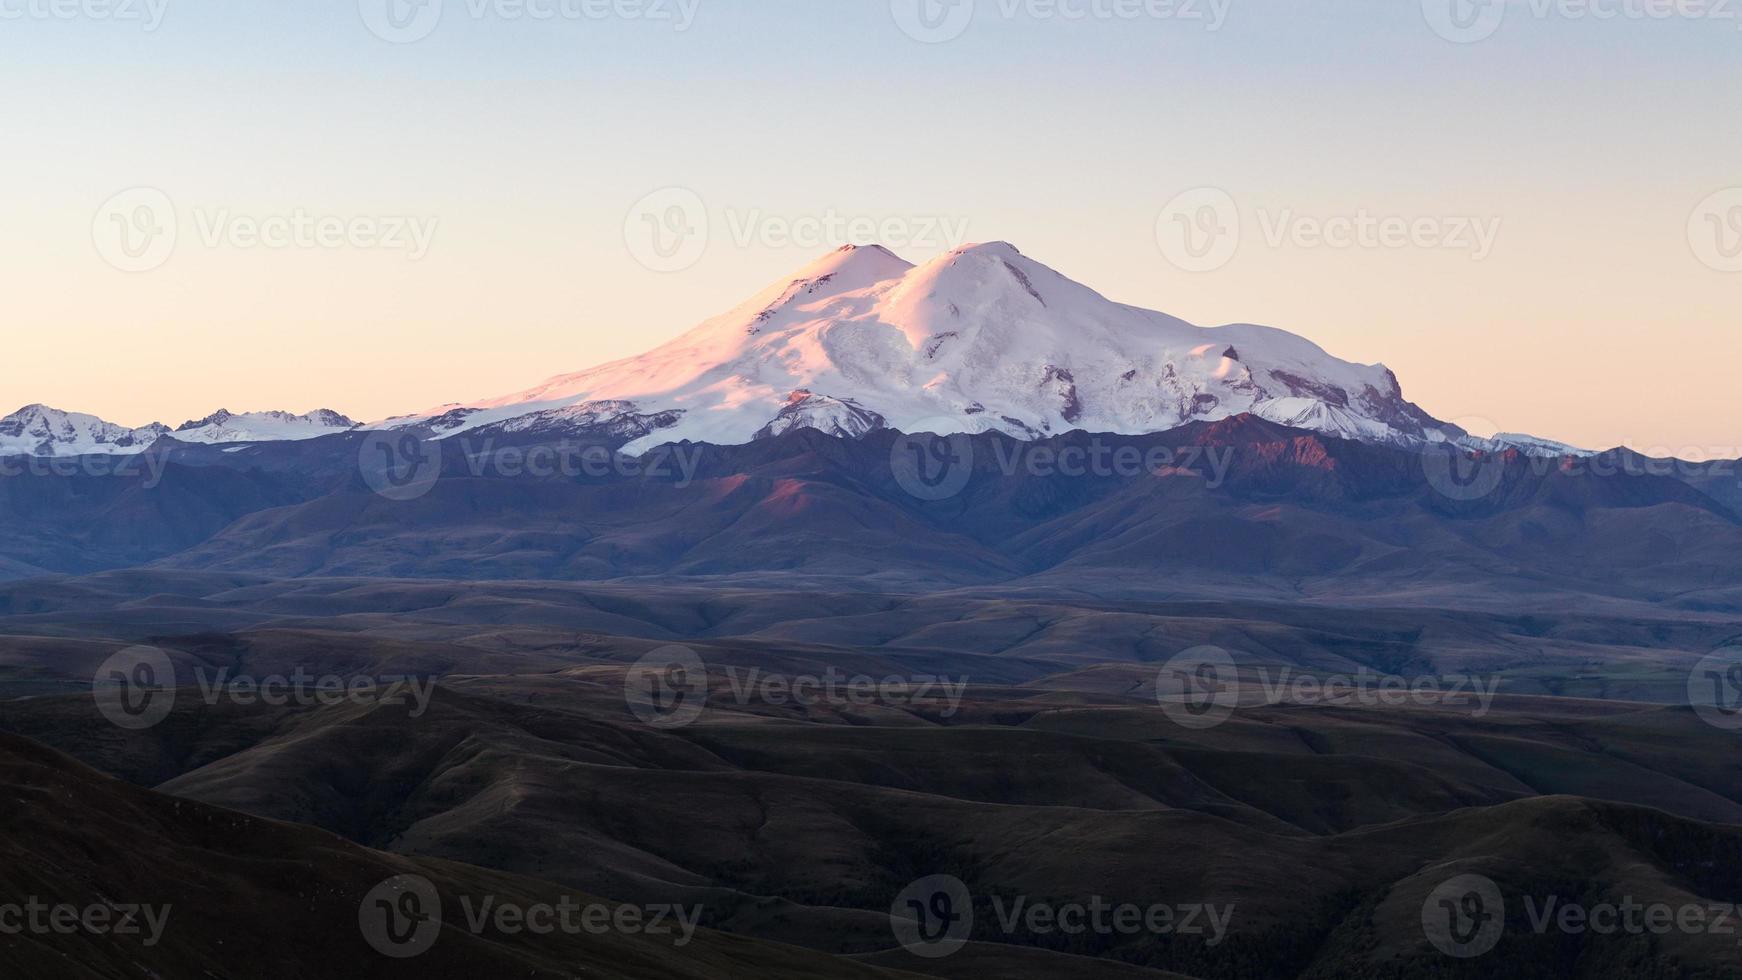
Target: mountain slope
point(1248, 508)
point(980, 339)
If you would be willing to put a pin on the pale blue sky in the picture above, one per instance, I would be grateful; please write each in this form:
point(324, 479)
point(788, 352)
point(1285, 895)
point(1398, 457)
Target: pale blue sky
point(1591, 142)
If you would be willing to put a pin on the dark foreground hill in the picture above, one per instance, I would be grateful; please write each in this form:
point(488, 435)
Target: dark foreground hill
point(1320, 831)
point(235, 895)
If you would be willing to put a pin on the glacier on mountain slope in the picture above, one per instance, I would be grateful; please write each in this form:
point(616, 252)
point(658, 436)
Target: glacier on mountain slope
point(982, 338)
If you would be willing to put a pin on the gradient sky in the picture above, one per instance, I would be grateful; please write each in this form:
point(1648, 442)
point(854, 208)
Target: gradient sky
point(1591, 141)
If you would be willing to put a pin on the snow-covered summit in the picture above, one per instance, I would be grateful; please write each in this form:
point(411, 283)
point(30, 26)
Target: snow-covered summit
point(981, 338)
point(1529, 445)
point(38, 430)
point(225, 426)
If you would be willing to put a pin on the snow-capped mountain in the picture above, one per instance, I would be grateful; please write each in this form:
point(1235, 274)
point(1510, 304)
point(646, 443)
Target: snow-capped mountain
point(37, 430)
point(224, 426)
point(982, 338)
point(979, 339)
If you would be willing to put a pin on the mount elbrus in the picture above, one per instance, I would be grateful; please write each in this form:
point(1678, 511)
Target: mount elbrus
point(981, 339)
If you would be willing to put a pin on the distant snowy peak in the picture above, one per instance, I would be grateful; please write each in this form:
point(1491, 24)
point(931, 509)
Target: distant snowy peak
point(224, 426)
point(38, 430)
point(981, 338)
point(1530, 445)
